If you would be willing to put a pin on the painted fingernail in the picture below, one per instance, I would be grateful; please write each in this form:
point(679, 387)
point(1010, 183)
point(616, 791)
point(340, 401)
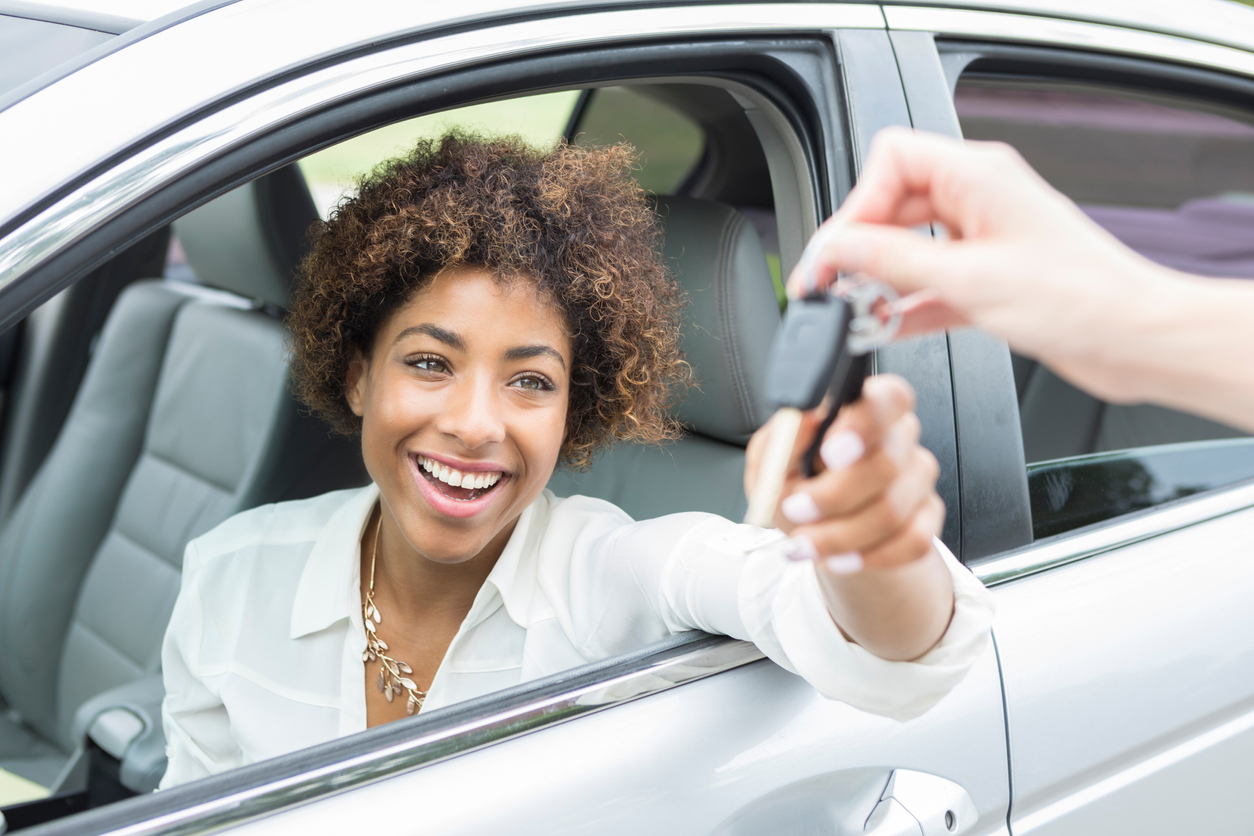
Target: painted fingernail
point(800, 508)
point(843, 564)
point(842, 450)
point(801, 548)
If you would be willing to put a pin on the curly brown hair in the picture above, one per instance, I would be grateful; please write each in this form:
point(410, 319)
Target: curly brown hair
point(571, 220)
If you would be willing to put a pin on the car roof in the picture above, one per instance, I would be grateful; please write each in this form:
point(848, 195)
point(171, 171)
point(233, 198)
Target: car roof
point(1218, 21)
point(112, 16)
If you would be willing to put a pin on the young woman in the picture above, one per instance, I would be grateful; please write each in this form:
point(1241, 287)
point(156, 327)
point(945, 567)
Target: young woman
point(478, 314)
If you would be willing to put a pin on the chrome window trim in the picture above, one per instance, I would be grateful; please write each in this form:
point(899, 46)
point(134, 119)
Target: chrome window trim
point(1049, 31)
point(1125, 531)
point(524, 714)
point(128, 182)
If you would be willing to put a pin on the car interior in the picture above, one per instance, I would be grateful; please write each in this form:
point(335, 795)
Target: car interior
point(149, 402)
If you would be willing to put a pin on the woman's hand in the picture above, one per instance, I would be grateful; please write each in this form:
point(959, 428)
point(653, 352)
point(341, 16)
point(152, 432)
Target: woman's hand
point(868, 521)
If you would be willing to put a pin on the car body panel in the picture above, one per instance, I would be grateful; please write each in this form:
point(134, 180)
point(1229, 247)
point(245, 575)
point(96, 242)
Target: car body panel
point(1130, 677)
point(657, 765)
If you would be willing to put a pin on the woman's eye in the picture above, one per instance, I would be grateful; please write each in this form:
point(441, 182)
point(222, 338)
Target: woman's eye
point(535, 384)
point(430, 364)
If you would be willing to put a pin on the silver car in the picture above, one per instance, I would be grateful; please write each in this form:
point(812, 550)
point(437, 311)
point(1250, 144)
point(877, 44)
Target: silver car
point(160, 165)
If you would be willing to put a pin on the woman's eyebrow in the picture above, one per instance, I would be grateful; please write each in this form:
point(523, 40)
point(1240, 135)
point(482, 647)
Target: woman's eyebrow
point(524, 352)
point(442, 334)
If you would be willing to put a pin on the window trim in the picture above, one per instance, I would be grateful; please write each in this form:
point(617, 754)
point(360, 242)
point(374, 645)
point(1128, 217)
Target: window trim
point(1090, 541)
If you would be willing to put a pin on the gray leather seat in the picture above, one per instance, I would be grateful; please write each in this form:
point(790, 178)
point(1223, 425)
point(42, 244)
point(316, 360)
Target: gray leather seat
point(183, 419)
point(1060, 421)
point(718, 259)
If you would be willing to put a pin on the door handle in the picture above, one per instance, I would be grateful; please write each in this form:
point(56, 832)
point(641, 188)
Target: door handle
point(919, 804)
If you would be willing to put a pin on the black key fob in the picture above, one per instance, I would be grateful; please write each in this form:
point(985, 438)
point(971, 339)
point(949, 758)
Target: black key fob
point(811, 362)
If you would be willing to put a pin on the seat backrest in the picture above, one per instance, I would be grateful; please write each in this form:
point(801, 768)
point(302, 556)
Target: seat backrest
point(184, 418)
point(718, 259)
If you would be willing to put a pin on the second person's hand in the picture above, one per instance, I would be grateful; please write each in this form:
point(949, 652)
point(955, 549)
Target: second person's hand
point(1021, 260)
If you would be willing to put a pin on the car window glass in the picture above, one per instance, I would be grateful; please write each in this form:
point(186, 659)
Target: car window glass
point(29, 48)
point(1173, 179)
point(539, 120)
point(670, 143)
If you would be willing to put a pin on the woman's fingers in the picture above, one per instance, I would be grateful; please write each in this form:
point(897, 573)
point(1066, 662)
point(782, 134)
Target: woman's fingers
point(857, 434)
point(912, 542)
point(838, 492)
point(757, 446)
point(885, 398)
point(885, 518)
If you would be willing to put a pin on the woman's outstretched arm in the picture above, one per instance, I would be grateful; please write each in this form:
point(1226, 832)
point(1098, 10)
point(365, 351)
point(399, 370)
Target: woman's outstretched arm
point(869, 521)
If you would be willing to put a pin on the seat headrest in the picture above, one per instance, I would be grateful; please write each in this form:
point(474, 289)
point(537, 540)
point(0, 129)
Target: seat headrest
point(249, 240)
point(718, 259)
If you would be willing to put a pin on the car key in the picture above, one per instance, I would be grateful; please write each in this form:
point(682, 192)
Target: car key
point(821, 354)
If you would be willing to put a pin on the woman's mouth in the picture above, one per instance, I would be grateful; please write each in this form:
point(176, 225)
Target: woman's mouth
point(458, 485)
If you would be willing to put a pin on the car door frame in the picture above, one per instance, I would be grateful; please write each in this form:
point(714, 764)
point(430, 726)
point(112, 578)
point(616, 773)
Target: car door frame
point(1110, 713)
point(176, 169)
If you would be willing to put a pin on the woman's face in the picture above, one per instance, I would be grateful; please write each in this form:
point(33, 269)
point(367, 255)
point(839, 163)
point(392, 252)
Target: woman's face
point(463, 405)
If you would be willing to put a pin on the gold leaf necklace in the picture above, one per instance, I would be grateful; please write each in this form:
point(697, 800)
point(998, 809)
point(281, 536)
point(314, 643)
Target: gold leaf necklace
point(394, 674)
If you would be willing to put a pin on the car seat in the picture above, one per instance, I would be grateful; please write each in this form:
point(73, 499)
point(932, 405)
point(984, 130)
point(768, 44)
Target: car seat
point(183, 418)
point(717, 258)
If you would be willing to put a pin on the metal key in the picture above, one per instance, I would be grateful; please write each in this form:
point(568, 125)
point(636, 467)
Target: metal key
point(821, 355)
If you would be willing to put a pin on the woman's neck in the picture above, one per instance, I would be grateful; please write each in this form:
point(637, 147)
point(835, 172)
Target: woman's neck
point(411, 588)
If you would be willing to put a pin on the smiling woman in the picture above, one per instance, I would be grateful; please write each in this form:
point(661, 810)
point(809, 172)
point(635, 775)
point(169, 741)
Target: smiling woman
point(479, 314)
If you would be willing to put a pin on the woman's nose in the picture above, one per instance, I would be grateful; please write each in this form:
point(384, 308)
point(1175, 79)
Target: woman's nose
point(473, 414)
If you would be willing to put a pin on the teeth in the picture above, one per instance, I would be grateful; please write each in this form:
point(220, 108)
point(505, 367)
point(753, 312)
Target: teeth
point(458, 479)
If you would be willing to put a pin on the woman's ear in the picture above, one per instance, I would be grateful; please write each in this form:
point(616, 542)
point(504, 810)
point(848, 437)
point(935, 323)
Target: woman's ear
point(355, 385)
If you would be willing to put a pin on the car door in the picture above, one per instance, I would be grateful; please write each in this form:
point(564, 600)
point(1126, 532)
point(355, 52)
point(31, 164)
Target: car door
point(697, 735)
point(752, 749)
point(1124, 630)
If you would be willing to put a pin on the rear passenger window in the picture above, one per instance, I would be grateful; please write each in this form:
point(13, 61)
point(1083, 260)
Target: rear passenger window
point(1173, 179)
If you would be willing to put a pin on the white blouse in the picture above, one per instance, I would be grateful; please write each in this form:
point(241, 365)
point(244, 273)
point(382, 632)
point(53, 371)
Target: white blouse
point(263, 652)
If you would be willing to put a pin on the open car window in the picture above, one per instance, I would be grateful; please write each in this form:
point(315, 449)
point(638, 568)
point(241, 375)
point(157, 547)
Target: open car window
point(761, 155)
point(1172, 178)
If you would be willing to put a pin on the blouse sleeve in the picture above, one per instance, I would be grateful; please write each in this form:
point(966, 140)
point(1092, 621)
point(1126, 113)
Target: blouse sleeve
point(197, 727)
point(702, 572)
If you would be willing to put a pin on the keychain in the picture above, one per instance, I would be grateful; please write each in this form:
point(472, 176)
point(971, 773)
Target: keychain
point(820, 356)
